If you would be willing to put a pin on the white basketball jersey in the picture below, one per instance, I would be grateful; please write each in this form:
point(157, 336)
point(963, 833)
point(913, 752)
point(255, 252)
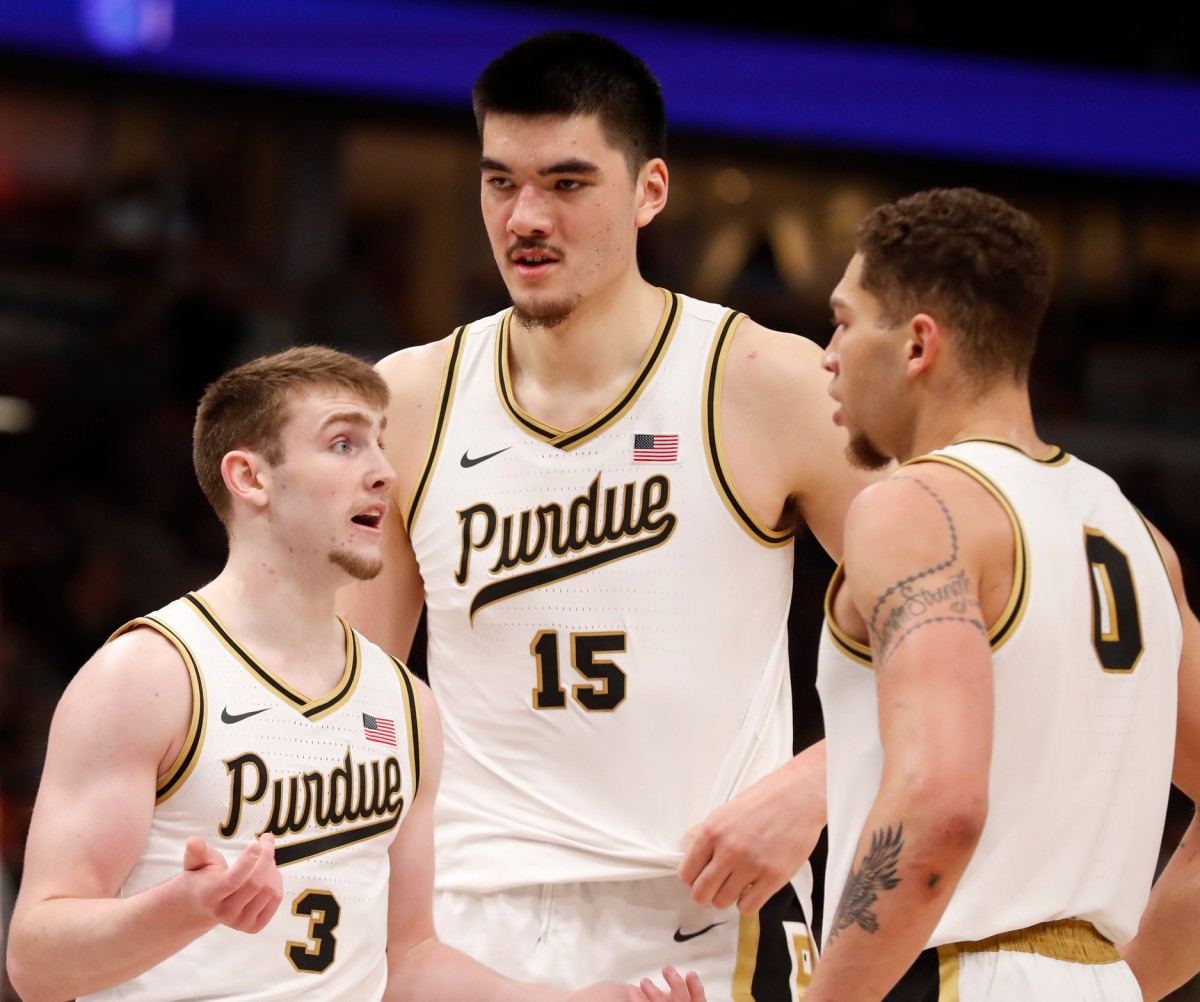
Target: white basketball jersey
point(1085, 663)
point(332, 778)
point(606, 619)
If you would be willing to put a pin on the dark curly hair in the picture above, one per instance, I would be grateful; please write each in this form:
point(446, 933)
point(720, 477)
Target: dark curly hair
point(970, 259)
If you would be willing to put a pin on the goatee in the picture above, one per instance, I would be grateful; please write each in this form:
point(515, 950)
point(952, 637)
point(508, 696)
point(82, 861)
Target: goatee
point(359, 568)
point(863, 454)
point(548, 314)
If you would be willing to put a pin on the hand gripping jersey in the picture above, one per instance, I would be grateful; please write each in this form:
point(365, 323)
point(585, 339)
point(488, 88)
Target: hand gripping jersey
point(606, 620)
point(1086, 658)
point(331, 778)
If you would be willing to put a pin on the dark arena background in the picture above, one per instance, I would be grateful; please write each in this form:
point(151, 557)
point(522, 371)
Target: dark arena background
point(185, 184)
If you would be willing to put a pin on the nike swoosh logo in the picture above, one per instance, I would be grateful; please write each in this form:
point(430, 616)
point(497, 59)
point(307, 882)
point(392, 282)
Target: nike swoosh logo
point(467, 462)
point(682, 937)
point(233, 718)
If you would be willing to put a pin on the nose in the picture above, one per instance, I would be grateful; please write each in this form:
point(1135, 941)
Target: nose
point(382, 477)
point(530, 216)
point(830, 360)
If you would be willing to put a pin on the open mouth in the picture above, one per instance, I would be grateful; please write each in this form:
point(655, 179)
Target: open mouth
point(372, 518)
point(532, 255)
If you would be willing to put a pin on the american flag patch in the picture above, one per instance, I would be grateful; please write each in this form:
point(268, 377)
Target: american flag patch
point(655, 448)
point(379, 729)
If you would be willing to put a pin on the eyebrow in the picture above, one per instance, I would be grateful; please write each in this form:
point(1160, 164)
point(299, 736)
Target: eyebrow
point(348, 417)
point(573, 165)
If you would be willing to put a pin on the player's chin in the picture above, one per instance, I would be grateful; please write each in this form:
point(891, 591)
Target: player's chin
point(362, 566)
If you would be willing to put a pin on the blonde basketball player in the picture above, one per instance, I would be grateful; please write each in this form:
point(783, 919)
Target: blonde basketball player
point(238, 791)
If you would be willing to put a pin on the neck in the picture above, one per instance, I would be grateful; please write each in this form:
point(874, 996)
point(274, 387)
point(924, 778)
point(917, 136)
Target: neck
point(605, 337)
point(1003, 412)
point(269, 605)
point(566, 375)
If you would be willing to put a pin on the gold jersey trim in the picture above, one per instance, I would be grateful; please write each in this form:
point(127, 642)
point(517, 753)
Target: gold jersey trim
point(714, 381)
point(1073, 940)
point(313, 709)
point(1055, 457)
point(412, 708)
point(850, 647)
point(947, 974)
point(567, 440)
point(749, 932)
point(445, 400)
point(189, 754)
point(1018, 597)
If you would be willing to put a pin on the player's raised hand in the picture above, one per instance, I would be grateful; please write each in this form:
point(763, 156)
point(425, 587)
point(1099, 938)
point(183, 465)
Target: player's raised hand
point(243, 896)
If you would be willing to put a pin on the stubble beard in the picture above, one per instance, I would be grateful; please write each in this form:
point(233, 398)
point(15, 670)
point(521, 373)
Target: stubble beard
point(358, 567)
point(863, 453)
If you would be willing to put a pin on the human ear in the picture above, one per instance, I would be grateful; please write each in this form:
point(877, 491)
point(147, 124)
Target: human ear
point(924, 342)
point(652, 184)
point(242, 472)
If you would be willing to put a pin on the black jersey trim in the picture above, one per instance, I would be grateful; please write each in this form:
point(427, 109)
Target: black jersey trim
point(445, 401)
point(569, 439)
point(313, 709)
point(1056, 456)
point(711, 420)
point(415, 726)
point(1018, 598)
point(189, 754)
point(842, 640)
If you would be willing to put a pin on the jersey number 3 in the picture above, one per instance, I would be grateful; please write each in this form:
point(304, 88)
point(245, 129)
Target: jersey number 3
point(607, 693)
point(1116, 622)
point(323, 912)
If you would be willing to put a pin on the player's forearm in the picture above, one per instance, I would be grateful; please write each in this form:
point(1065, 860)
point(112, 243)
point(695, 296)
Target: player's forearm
point(433, 970)
point(1166, 951)
point(807, 771)
point(905, 868)
point(60, 948)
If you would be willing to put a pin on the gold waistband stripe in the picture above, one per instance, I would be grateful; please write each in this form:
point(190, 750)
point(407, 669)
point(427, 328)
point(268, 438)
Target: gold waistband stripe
point(1065, 939)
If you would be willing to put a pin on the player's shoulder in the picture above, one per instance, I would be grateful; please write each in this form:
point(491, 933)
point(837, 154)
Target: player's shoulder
point(413, 366)
point(777, 376)
point(763, 358)
point(141, 647)
point(914, 486)
point(139, 680)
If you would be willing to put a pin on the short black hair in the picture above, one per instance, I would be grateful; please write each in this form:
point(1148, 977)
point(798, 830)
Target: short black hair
point(579, 73)
point(973, 258)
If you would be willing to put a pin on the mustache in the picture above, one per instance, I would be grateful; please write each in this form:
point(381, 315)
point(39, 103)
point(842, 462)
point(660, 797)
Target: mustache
point(530, 244)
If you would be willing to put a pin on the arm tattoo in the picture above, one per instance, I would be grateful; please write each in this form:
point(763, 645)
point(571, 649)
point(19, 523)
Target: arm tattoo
point(907, 605)
point(876, 874)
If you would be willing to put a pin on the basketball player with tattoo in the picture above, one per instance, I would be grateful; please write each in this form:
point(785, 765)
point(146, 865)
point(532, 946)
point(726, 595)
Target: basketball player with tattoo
point(238, 791)
point(1010, 673)
point(597, 502)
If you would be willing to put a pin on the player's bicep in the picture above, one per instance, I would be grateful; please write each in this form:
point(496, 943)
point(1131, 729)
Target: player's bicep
point(915, 584)
point(119, 721)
